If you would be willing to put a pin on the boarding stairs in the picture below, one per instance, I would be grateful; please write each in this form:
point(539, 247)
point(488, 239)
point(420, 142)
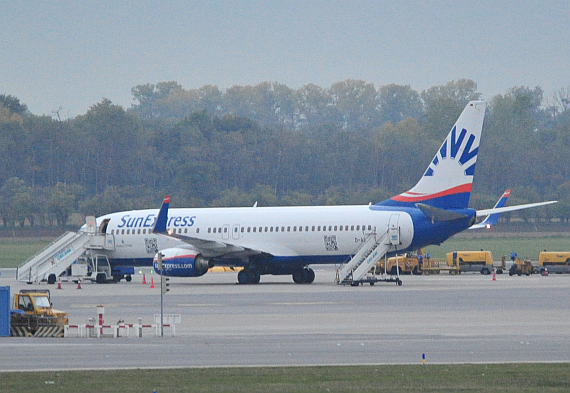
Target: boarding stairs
point(56, 258)
point(374, 249)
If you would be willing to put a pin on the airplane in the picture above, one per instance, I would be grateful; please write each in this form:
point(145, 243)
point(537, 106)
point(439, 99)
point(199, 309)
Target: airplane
point(287, 240)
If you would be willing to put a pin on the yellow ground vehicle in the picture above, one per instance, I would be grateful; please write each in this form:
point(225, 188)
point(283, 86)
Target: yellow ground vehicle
point(406, 264)
point(32, 315)
point(554, 261)
point(471, 261)
point(520, 267)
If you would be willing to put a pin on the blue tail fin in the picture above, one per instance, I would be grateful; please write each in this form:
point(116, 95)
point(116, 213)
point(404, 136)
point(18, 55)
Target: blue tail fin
point(447, 182)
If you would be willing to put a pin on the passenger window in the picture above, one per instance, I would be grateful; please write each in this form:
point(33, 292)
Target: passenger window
point(197, 230)
point(276, 229)
point(341, 227)
point(266, 230)
point(294, 229)
point(300, 229)
point(122, 231)
point(282, 229)
point(270, 229)
point(254, 229)
point(313, 228)
point(242, 229)
point(288, 229)
point(209, 230)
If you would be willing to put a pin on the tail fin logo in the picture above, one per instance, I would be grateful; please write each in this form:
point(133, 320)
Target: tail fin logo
point(451, 148)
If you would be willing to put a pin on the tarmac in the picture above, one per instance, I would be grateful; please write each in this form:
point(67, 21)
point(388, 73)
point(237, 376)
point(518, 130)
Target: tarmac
point(450, 319)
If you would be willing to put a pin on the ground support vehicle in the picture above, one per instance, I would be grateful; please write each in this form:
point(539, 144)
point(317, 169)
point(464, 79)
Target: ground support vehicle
point(436, 266)
point(554, 262)
point(403, 264)
point(520, 267)
point(97, 269)
point(32, 315)
point(471, 261)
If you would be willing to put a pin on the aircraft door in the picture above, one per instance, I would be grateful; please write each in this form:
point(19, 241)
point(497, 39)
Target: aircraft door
point(235, 232)
point(226, 232)
point(394, 230)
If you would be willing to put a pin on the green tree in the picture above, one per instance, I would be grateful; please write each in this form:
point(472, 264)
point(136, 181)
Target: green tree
point(444, 103)
point(398, 102)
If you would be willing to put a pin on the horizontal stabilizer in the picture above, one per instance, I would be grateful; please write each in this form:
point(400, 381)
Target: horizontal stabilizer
point(486, 212)
point(436, 214)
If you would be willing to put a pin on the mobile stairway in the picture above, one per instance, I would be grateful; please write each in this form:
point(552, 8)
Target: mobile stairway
point(56, 258)
point(374, 248)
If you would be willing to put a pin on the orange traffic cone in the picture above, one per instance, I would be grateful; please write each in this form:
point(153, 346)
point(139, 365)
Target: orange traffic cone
point(545, 271)
point(494, 279)
point(144, 279)
point(78, 283)
point(59, 284)
point(152, 282)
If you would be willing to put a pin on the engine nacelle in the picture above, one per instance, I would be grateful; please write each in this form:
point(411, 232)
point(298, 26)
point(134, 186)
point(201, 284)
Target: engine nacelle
point(180, 262)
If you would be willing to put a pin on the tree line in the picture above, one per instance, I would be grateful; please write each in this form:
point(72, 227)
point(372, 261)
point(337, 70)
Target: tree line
point(350, 143)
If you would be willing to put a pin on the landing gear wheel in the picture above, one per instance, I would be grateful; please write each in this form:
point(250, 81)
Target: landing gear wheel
point(310, 276)
point(399, 283)
point(249, 277)
point(51, 279)
point(300, 276)
point(253, 277)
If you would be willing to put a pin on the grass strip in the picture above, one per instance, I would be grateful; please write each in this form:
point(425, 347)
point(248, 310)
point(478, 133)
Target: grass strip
point(388, 378)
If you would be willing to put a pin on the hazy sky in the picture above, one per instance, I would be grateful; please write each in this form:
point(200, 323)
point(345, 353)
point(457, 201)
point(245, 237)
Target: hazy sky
point(73, 53)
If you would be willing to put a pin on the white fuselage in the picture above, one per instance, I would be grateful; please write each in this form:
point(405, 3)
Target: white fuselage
point(318, 231)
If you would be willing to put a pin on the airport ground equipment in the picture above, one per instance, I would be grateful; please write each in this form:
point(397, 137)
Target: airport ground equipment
point(4, 311)
point(81, 249)
point(555, 261)
point(472, 261)
point(32, 315)
point(369, 253)
point(408, 263)
point(437, 266)
point(520, 267)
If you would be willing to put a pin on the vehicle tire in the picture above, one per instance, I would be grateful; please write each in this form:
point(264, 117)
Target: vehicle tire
point(519, 273)
point(51, 279)
point(101, 278)
point(128, 278)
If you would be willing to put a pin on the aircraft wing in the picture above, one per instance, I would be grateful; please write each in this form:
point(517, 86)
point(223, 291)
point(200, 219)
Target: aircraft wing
point(211, 248)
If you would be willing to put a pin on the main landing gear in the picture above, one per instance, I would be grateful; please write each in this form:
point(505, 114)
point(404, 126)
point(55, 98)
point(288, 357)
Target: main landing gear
point(303, 276)
point(248, 277)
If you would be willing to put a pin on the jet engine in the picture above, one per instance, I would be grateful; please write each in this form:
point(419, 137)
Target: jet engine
point(180, 262)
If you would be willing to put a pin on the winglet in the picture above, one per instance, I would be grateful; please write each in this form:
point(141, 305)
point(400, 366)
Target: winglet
point(162, 219)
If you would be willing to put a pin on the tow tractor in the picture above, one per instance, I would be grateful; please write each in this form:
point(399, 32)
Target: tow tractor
point(32, 315)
